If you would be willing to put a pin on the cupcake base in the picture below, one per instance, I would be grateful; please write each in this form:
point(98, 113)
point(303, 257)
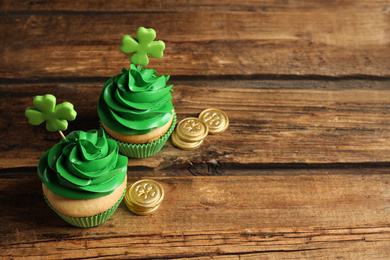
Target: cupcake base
point(144, 150)
point(87, 222)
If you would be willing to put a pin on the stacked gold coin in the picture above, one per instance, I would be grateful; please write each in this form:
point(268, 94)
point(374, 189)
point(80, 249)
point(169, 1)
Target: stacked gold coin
point(189, 133)
point(144, 197)
point(216, 120)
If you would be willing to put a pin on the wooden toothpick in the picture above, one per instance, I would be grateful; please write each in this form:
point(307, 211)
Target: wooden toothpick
point(62, 134)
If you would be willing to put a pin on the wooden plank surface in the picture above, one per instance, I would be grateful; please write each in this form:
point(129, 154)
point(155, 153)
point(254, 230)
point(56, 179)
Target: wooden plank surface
point(301, 173)
point(333, 43)
point(192, 6)
point(266, 125)
point(260, 217)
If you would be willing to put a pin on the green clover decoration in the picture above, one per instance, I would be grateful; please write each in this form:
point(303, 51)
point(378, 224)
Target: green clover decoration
point(56, 116)
point(140, 48)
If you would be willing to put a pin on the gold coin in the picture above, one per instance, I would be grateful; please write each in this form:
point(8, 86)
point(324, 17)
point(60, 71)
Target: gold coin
point(216, 120)
point(192, 129)
point(144, 197)
point(144, 213)
point(176, 141)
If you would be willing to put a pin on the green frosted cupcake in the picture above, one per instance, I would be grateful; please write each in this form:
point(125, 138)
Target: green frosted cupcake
point(84, 178)
point(135, 107)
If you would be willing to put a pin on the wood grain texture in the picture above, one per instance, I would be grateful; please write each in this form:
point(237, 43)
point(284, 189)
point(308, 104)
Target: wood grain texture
point(266, 125)
point(261, 217)
point(334, 43)
point(301, 173)
point(192, 6)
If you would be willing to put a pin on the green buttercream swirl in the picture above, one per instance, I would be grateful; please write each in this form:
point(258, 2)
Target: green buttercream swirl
point(85, 165)
point(136, 101)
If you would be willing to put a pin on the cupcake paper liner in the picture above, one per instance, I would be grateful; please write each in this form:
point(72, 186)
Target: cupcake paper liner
point(87, 222)
point(144, 150)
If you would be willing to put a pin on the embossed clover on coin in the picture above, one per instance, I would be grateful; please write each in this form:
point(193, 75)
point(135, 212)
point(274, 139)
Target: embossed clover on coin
point(192, 126)
point(146, 191)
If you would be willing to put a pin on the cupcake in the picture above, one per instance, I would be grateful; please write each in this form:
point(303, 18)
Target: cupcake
point(84, 178)
point(135, 107)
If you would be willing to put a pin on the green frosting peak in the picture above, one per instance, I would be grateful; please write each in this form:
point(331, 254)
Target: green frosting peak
point(136, 101)
point(85, 165)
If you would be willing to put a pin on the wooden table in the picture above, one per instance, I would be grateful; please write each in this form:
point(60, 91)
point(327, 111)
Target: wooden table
point(302, 172)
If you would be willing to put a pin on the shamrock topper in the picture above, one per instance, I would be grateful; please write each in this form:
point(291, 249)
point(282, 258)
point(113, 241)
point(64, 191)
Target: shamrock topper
point(140, 48)
point(56, 116)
